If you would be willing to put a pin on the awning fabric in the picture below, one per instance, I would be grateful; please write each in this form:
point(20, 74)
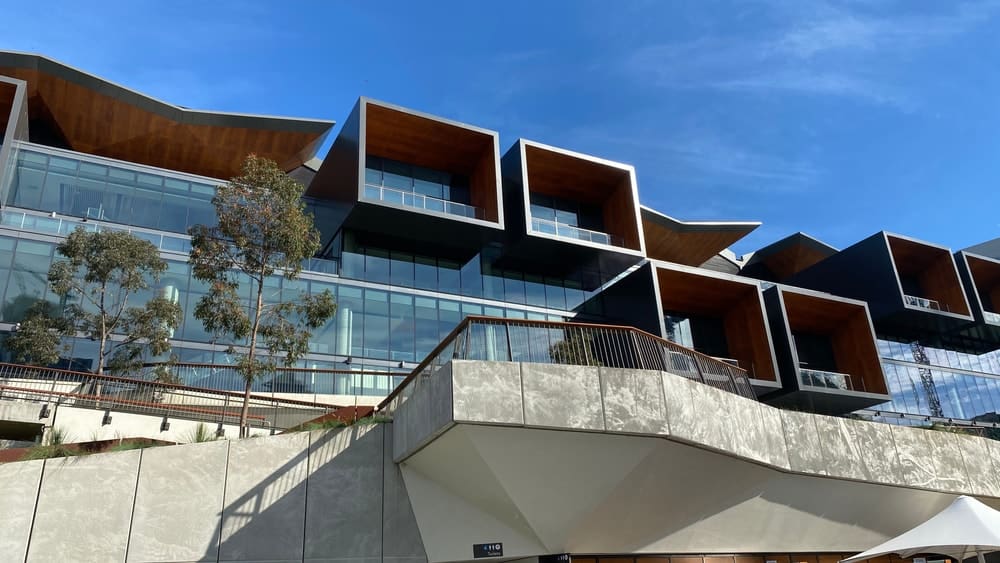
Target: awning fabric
point(965, 529)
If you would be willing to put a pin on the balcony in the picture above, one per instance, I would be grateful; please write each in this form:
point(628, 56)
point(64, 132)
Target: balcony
point(718, 314)
point(397, 172)
point(827, 355)
point(569, 231)
point(571, 214)
point(912, 288)
point(922, 302)
point(84, 186)
point(374, 192)
point(981, 278)
point(547, 342)
point(826, 379)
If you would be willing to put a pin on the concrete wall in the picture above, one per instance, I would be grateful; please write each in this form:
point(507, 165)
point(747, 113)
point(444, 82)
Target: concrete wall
point(319, 496)
point(649, 403)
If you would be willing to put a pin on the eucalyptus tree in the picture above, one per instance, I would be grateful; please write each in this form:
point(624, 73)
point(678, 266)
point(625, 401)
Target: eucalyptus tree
point(263, 230)
point(102, 281)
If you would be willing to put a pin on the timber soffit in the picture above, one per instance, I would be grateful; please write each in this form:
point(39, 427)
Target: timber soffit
point(179, 114)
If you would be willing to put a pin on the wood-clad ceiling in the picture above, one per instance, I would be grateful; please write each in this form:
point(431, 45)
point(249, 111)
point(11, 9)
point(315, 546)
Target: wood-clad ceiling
point(985, 272)
point(7, 91)
point(790, 255)
point(688, 243)
point(419, 140)
point(86, 114)
point(700, 294)
point(570, 177)
point(817, 315)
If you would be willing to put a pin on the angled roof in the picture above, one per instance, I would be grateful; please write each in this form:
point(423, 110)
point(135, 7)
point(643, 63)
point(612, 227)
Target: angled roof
point(689, 242)
point(77, 110)
point(784, 258)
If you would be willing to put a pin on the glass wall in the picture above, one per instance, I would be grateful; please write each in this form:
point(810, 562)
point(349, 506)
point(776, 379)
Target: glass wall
point(77, 185)
point(371, 323)
point(476, 277)
point(414, 186)
point(949, 384)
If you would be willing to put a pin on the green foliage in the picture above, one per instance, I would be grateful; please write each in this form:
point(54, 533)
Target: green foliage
point(54, 446)
point(374, 419)
point(100, 273)
point(164, 373)
point(132, 445)
point(324, 425)
point(263, 230)
point(38, 338)
point(201, 433)
point(576, 348)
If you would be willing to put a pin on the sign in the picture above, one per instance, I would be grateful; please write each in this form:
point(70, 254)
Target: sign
point(919, 560)
point(556, 558)
point(487, 550)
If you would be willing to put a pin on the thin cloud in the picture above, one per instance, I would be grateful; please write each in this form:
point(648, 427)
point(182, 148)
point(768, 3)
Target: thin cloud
point(704, 158)
point(826, 51)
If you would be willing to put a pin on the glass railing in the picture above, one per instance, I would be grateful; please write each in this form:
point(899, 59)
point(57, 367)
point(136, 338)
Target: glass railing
point(991, 317)
point(921, 302)
point(80, 185)
point(420, 201)
point(826, 379)
point(563, 230)
point(63, 226)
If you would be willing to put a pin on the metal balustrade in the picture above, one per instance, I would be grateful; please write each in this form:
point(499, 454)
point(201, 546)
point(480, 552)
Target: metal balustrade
point(421, 201)
point(516, 340)
point(569, 231)
point(142, 396)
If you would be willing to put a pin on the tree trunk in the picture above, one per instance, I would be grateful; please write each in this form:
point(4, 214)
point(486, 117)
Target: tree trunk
point(251, 355)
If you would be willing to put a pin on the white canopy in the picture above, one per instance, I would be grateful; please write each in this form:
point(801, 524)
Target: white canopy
point(966, 528)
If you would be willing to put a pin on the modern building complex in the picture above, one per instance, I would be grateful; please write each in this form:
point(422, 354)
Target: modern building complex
point(570, 375)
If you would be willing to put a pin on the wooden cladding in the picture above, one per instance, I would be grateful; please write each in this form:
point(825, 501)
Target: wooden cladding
point(737, 304)
point(590, 181)
point(985, 273)
point(106, 121)
point(848, 327)
point(7, 93)
point(933, 269)
point(440, 145)
point(691, 248)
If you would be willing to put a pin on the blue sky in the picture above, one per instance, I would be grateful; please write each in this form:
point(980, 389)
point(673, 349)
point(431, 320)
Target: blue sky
point(838, 119)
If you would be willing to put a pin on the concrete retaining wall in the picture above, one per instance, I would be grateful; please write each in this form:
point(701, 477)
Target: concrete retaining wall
point(318, 496)
point(651, 403)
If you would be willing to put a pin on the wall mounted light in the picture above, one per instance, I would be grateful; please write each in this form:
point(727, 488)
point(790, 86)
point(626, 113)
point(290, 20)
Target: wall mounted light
point(44, 412)
point(107, 418)
point(220, 431)
point(165, 425)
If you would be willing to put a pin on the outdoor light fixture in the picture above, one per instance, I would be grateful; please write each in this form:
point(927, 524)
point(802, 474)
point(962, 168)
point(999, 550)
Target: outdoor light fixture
point(348, 360)
point(165, 425)
point(45, 411)
point(220, 431)
point(107, 418)
point(400, 363)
